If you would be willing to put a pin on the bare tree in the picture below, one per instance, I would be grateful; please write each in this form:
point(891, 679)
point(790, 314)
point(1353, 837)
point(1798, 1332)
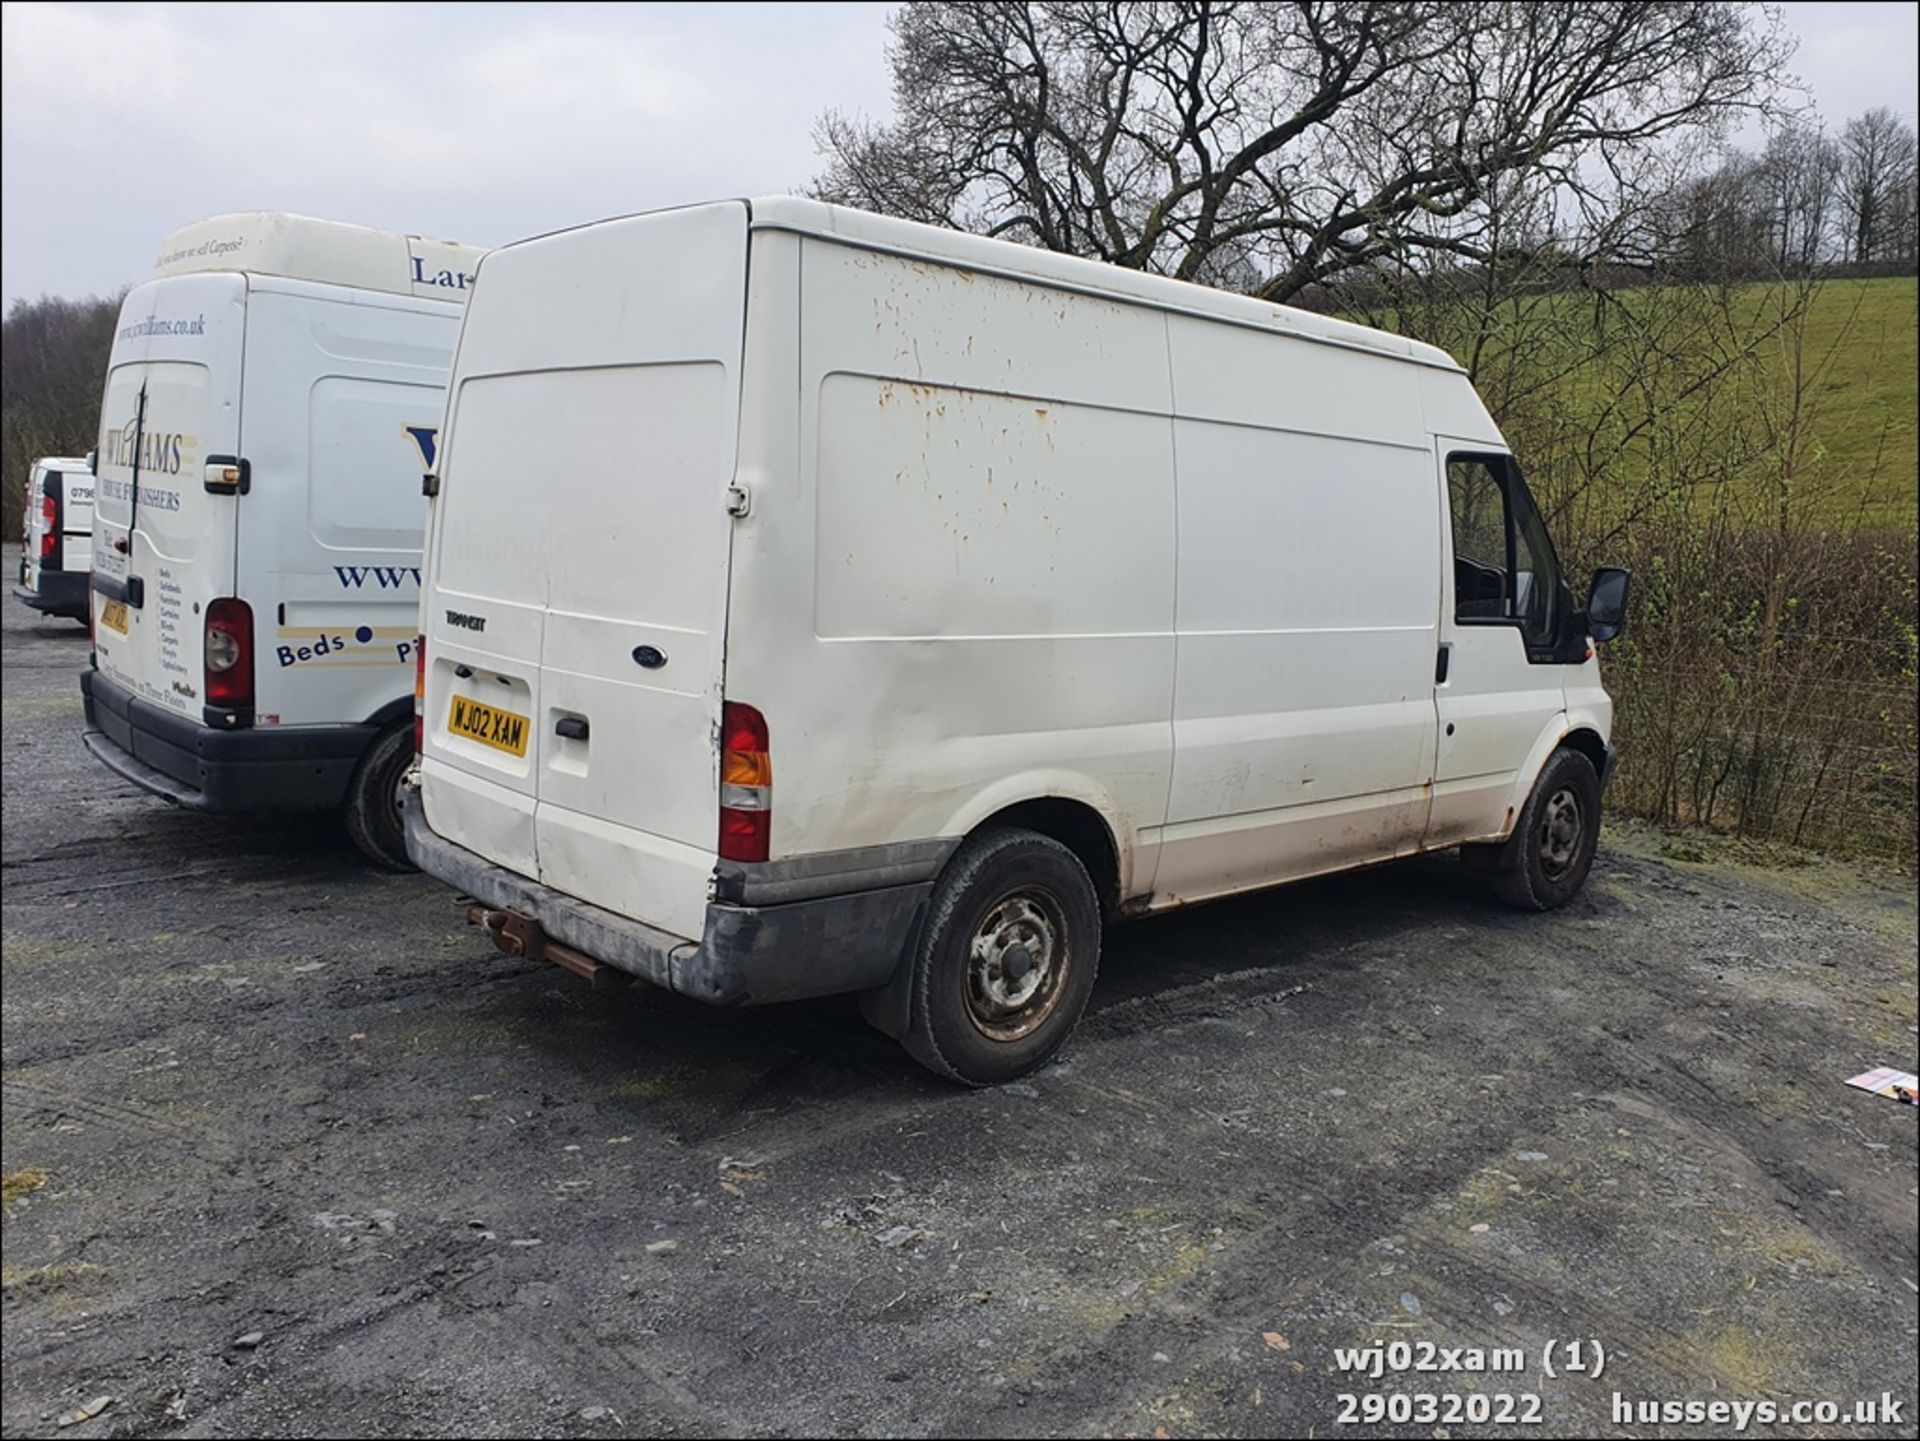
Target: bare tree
point(1798, 175)
point(1714, 224)
point(1877, 185)
point(56, 356)
point(1279, 144)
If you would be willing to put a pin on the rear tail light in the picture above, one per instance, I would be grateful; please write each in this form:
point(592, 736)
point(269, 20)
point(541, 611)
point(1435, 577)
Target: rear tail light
point(50, 526)
point(746, 784)
point(419, 695)
point(229, 653)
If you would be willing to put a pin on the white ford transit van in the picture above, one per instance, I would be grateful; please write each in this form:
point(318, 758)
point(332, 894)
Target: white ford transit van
point(272, 402)
point(817, 602)
point(58, 538)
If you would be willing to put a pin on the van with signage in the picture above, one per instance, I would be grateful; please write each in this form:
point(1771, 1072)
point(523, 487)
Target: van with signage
point(57, 538)
point(898, 606)
point(272, 403)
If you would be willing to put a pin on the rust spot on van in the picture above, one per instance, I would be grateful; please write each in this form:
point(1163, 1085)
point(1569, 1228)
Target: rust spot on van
point(1509, 817)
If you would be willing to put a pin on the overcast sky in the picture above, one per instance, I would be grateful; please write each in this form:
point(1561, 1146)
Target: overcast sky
point(485, 123)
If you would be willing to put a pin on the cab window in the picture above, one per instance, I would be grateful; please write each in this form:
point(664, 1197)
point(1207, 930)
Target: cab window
point(1504, 570)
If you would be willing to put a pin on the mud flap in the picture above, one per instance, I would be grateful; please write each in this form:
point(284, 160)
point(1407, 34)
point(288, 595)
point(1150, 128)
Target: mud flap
point(888, 1008)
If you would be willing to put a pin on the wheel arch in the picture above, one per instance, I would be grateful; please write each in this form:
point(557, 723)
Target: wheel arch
point(1077, 826)
point(1071, 809)
point(1588, 743)
point(1565, 732)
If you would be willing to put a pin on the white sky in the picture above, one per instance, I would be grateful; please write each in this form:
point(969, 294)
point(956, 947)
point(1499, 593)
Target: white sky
point(486, 123)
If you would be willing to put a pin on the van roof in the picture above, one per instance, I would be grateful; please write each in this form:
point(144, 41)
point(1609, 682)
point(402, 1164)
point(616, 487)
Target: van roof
point(61, 462)
point(978, 252)
point(265, 242)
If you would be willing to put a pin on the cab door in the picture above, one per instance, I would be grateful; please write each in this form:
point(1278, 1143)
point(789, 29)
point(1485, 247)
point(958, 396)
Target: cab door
point(1498, 688)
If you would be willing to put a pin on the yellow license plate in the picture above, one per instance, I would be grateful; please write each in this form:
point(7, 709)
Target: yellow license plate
point(113, 615)
point(501, 729)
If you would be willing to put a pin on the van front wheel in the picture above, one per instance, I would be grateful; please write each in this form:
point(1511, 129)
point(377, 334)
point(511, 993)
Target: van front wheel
point(1006, 960)
point(1545, 862)
point(372, 812)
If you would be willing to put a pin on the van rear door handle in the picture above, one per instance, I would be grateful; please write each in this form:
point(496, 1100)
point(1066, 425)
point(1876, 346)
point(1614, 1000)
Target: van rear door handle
point(572, 727)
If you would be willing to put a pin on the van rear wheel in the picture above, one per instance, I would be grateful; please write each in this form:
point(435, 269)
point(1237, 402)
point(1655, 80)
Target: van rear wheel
point(372, 811)
point(1545, 862)
point(1006, 960)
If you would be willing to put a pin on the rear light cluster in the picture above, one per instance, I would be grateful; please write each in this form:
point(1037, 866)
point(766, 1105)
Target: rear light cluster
point(50, 523)
point(229, 653)
point(746, 784)
point(419, 695)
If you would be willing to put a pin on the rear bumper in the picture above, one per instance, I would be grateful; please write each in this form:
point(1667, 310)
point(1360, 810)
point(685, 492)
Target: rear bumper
point(301, 769)
point(748, 955)
point(60, 592)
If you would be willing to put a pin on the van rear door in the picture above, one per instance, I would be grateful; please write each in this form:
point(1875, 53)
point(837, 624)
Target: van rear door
point(163, 543)
point(579, 560)
point(76, 520)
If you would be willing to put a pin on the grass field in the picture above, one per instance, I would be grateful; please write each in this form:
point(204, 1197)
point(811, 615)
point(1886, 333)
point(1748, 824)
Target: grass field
point(1863, 336)
point(1552, 367)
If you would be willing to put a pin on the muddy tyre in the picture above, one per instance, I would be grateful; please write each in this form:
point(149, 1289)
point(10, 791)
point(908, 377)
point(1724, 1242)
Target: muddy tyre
point(372, 811)
point(1545, 862)
point(1006, 959)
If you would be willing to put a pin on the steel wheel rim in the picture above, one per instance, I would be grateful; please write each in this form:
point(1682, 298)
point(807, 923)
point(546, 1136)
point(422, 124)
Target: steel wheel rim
point(399, 796)
point(1018, 959)
point(1561, 829)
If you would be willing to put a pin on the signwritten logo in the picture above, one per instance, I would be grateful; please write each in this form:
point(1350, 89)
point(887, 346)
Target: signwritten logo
point(447, 279)
point(363, 645)
point(376, 577)
point(425, 440)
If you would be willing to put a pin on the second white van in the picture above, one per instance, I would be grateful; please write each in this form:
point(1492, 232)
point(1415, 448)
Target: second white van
point(57, 538)
point(272, 404)
point(817, 602)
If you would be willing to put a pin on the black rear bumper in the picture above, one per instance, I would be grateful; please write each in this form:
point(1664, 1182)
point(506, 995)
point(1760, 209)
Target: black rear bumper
point(303, 768)
point(60, 592)
point(825, 946)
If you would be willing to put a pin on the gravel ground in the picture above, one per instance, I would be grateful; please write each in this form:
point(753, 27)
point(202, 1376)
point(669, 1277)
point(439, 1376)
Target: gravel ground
point(290, 1150)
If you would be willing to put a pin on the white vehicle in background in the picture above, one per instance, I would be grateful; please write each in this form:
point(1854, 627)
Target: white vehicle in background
point(271, 407)
point(57, 538)
point(963, 596)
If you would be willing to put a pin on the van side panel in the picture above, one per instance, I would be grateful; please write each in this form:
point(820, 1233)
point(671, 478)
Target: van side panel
point(1308, 604)
point(341, 387)
point(959, 593)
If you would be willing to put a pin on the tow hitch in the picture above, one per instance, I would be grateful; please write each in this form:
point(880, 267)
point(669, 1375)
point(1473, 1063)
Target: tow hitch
point(519, 934)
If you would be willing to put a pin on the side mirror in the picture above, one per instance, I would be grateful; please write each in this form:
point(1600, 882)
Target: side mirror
point(1607, 602)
